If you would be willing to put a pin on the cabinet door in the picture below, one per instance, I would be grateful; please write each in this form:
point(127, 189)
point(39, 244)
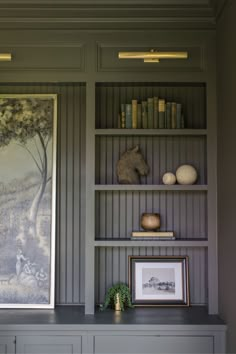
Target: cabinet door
point(153, 345)
point(7, 345)
point(48, 345)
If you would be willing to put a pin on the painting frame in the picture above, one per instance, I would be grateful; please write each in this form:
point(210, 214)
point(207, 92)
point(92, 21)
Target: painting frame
point(47, 103)
point(147, 290)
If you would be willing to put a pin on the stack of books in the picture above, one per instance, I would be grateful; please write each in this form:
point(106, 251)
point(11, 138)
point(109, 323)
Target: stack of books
point(152, 235)
point(154, 113)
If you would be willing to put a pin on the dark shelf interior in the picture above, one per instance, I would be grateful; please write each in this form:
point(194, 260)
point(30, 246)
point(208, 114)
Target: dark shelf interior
point(109, 97)
point(118, 212)
point(162, 154)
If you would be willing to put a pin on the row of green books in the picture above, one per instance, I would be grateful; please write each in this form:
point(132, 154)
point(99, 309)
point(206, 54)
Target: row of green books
point(154, 113)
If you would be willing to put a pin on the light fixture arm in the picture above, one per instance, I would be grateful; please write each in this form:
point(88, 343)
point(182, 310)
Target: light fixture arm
point(5, 57)
point(152, 55)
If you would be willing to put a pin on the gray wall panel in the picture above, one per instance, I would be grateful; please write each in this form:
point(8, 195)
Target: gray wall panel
point(226, 75)
point(181, 212)
point(162, 154)
point(70, 186)
point(109, 96)
point(106, 259)
point(37, 344)
point(108, 56)
point(141, 344)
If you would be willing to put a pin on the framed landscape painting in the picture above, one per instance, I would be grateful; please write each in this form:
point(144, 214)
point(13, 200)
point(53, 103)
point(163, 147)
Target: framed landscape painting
point(28, 127)
point(159, 280)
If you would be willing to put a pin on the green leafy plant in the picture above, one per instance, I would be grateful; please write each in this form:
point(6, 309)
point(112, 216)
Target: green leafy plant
point(124, 297)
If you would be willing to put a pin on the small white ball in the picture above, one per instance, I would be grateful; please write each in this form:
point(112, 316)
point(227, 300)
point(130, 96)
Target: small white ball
point(186, 174)
point(169, 178)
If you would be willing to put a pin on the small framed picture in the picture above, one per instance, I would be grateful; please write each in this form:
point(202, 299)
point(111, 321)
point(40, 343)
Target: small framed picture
point(159, 281)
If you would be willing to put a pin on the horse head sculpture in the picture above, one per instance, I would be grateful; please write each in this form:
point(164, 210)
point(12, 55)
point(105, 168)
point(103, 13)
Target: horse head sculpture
point(131, 166)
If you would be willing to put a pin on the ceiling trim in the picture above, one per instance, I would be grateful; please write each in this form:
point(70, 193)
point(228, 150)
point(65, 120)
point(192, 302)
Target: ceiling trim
point(199, 12)
point(107, 2)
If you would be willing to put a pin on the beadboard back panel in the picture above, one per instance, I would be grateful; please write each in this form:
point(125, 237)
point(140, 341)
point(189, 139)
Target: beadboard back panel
point(109, 96)
point(118, 213)
point(70, 186)
point(112, 267)
point(162, 154)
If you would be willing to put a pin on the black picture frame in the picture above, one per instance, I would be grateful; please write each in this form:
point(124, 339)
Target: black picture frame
point(159, 280)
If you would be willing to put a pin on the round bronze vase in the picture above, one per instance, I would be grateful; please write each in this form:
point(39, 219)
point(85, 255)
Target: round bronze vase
point(150, 221)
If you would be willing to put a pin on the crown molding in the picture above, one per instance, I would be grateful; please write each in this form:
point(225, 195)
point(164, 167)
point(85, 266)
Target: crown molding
point(75, 12)
point(107, 2)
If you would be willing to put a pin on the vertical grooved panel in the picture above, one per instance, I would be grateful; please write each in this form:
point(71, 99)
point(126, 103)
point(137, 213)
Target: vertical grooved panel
point(63, 192)
point(70, 185)
point(162, 154)
point(109, 97)
point(197, 268)
point(118, 212)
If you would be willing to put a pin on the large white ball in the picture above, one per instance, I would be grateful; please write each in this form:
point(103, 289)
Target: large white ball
point(186, 174)
point(169, 178)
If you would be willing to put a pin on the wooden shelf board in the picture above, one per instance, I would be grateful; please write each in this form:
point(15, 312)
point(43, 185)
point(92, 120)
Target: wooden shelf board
point(161, 132)
point(150, 243)
point(148, 187)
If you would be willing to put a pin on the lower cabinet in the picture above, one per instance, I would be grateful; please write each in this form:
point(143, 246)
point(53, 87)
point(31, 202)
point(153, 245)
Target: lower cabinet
point(153, 345)
point(103, 339)
point(48, 344)
point(7, 344)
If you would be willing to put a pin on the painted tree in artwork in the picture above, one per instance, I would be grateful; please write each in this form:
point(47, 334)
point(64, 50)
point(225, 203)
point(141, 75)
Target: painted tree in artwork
point(24, 119)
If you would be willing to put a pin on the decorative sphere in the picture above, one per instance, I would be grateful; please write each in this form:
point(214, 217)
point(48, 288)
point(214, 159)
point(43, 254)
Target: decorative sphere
point(169, 178)
point(186, 174)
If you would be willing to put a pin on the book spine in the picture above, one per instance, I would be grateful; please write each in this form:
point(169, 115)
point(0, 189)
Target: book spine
point(144, 115)
point(134, 114)
point(182, 122)
point(128, 115)
point(173, 115)
point(139, 115)
point(168, 115)
point(122, 113)
point(150, 112)
point(178, 115)
point(119, 121)
point(161, 113)
point(155, 113)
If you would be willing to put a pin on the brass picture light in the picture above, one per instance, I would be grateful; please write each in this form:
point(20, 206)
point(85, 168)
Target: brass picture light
point(5, 57)
point(153, 56)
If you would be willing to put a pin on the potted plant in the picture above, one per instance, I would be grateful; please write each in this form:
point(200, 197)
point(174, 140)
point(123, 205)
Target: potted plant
point(118, 297)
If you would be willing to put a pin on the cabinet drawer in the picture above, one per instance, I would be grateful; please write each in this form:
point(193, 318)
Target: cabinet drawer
point(48, 345)
point(153, 345)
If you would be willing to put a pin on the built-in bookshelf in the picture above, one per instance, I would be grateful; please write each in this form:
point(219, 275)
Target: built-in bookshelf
point(118, 208)
point(110, 96)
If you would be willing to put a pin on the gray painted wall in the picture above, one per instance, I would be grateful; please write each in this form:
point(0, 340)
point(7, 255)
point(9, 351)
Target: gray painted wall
point(226, 54)
point(76, 56)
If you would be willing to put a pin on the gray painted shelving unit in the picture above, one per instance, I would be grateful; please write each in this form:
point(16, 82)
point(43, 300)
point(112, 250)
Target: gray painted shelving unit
point(114, 210)
point(80, 64)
